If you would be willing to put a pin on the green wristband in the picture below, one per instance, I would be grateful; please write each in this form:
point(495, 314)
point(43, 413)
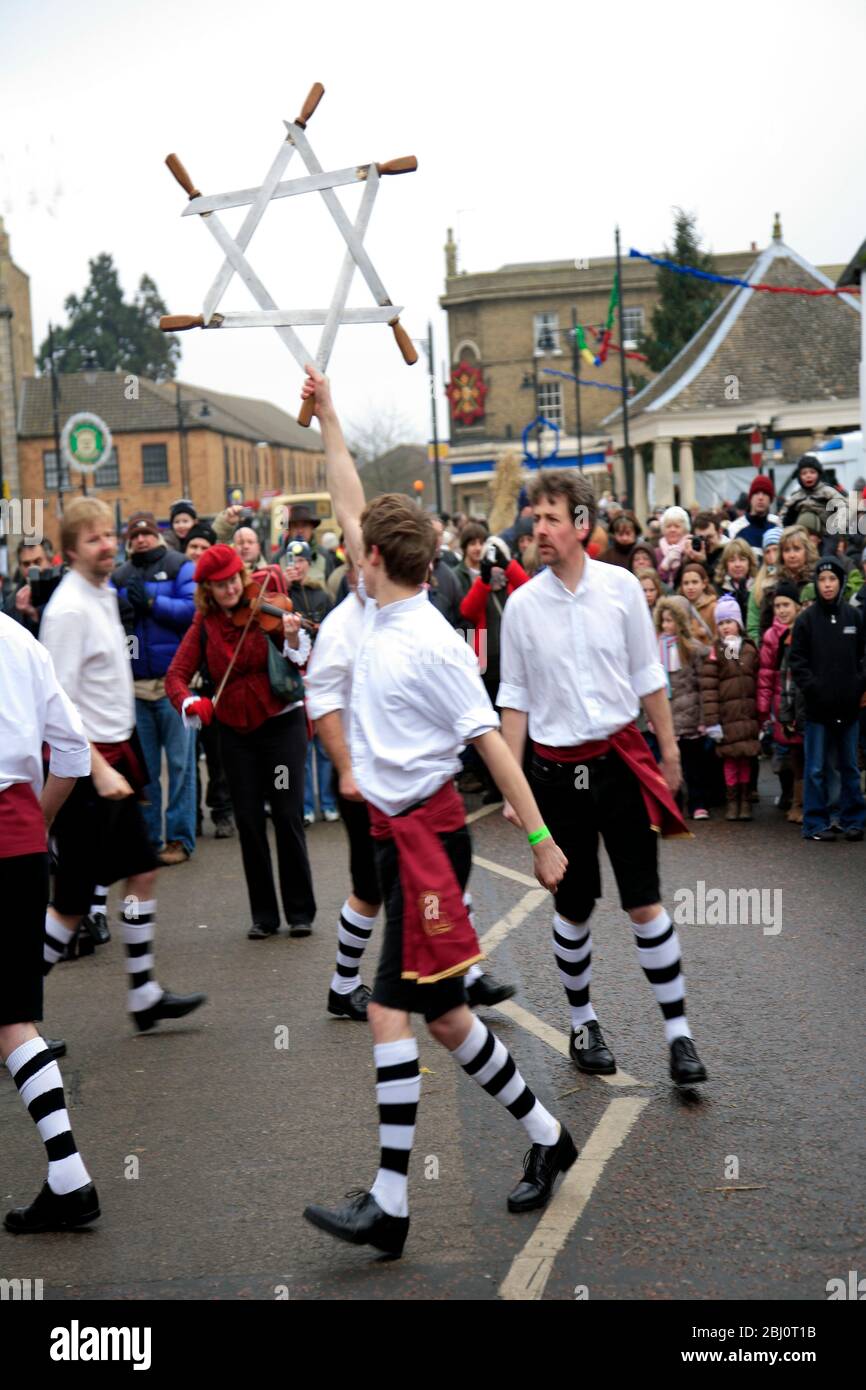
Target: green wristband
point(538, 835)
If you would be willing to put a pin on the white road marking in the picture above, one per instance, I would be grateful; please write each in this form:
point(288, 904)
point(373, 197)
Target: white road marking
point(483, 811)
point(556, 1040)
point(503, 869)
point(521, 910)
point(527, 1278)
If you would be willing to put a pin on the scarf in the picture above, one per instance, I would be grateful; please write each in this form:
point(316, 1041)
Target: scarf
point(439, 940)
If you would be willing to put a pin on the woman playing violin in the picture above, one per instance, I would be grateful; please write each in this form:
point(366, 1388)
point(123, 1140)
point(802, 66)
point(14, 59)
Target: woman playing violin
point(263, 737)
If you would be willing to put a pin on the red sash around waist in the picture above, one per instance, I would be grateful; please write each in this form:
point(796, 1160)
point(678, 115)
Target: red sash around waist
point(664, 815)
point(438, 938)
point(128, 758)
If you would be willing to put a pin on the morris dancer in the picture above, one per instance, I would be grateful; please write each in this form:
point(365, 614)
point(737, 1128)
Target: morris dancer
point(578, 655)
point(34, 710)
point(100, 832)
point(417, 698)
point(329, 694)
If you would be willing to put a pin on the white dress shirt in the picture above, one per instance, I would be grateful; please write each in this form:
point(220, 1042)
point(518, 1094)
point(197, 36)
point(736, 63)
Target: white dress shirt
point(82, 630)
point(578, 662)
point(328, 680)
point(35, 710)
point(417, 698)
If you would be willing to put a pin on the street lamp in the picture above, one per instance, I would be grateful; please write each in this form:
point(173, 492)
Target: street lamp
point(91, 367)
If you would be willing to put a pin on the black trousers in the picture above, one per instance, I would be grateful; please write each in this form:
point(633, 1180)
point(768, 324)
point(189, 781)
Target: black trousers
point(268, 765)
point(22, 923)
point(217, 797)
point(362, 861)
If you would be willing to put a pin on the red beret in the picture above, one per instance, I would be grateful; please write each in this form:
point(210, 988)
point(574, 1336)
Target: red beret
point(762, 484)
point(219, 562)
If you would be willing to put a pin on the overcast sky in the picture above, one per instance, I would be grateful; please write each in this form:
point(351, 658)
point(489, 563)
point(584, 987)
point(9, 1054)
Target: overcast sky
point(537, 129)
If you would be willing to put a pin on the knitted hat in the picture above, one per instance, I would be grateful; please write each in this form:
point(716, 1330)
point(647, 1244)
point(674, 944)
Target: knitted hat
point(829, 562)
point(220, 562)
point(676, 514)
point(786, 588)
point(298, 550)
point(201, 531)
point(772, 536)
point(728, 610)
point(182, 504)
point(809, 461)
point(762, 484)
point(140, 523)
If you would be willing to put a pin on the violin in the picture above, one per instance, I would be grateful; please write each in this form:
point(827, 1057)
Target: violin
point(268, 613)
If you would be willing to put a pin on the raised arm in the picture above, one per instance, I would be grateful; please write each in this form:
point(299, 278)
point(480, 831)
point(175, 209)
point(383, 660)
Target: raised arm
point(344, 485)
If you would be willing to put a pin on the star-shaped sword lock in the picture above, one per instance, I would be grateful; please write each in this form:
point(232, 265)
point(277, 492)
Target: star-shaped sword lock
point(285, 321)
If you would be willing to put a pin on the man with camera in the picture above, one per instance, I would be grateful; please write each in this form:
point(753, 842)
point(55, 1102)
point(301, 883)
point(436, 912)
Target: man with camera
point(27, 599)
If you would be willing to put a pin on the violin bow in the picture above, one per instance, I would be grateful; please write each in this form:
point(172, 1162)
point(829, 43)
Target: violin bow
point(254, 608)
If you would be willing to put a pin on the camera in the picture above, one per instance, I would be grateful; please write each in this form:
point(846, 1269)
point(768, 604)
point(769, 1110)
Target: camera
point(697, 542)
point(43, 583)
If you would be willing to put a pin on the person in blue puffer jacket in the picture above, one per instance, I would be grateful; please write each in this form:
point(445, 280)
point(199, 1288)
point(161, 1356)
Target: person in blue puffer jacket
point(157, 585)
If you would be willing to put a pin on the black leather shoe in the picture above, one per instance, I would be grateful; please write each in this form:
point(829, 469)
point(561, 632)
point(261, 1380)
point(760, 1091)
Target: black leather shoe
point(589, 1051)
point(362, 1222)
point(687, 1069)
point(57, 1048)
point(540, 1167)
point(300, 929)
point(50, 1212)
point(824, 837)
point(224, 828)
point(352, 1005)
point(853, 834)
point(485, 991)
point(169, 1006)
point(96, 926)
point(259, 930)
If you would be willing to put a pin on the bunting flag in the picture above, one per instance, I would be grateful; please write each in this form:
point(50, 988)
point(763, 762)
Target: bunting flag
point(615, 347)
point(732, 279)
point(599, 385)
point(607, 334)
point(580, 339)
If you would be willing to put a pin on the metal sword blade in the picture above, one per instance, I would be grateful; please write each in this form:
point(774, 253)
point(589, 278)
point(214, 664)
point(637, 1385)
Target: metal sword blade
point(242, 268)
point(248, 226)
point(337, 211)
point(218, 202)
point(337, 312)
point(300, 318)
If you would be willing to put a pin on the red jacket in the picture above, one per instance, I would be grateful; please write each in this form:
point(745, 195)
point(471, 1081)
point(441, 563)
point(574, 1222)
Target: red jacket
point(247, 700)
point(474, 605)
point(770, 679)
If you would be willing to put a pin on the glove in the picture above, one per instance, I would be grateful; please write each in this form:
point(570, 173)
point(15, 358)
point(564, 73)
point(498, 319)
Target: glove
point(716, 733)
point(201, 709)
point(488, 560)
point(136, 594)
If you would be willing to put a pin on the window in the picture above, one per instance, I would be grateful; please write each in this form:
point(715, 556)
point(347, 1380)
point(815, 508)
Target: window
point(108, 475)
point(550, 401)
point(632, 327)
point(154, 461)
point(49, 467)
point(546, 335)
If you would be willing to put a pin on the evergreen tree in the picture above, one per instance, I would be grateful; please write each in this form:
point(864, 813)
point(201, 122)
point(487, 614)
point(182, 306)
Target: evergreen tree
point(122, 336)
point(684, 301)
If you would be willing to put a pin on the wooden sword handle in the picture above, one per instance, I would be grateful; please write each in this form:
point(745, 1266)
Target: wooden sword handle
point(182, 176)
point(176, 323)
point(314, 96)
point(404, 342)
point(305, 414)
point(406, 164)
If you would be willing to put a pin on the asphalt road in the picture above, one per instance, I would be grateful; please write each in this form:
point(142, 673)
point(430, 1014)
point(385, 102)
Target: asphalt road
point(206, 1139)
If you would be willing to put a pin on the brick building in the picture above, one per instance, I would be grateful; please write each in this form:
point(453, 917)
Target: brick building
point(220, 443)
point(515, 322)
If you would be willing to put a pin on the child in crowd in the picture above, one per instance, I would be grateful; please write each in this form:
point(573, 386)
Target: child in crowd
point(695, 587)
point(778, 700)
point(765, 584)
point(652, 586)
point(676, 526)
point(736, 574)
point(729, 689)
point(643, 557)
point(827, 662)
point(682, 659)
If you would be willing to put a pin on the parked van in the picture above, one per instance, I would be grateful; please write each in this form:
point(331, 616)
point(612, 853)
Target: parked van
point(319, 503)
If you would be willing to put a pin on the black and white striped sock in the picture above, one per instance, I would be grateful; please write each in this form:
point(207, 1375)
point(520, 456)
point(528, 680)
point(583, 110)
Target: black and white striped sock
point(99, 900)
point(572, 947)
point(487, 1060)
point(353, 934)
point(55, 941)
point(398, 1086)
point(138, 920)
point(658, 949)
point(40, 1086)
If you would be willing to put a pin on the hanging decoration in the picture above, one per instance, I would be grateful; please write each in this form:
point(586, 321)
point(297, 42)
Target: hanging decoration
point(615, 347)
point(466, 391)
point(734, 280)
point(580, 339)
point(607, 334)
point(569, 376)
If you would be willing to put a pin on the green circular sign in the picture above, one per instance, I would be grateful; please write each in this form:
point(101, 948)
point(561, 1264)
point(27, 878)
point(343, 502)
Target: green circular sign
point(86, 441)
